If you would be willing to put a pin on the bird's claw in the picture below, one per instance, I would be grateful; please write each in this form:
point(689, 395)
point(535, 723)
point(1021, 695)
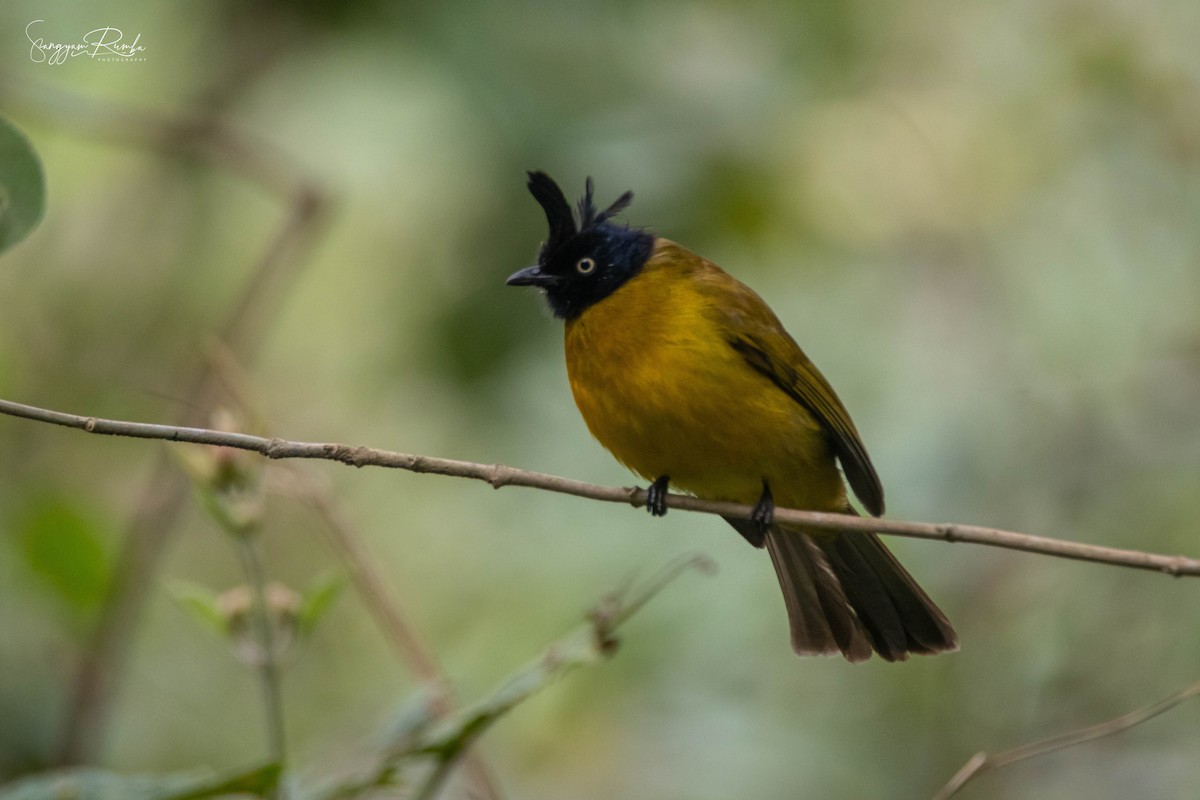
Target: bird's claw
point(764, 510)
point(656, 496)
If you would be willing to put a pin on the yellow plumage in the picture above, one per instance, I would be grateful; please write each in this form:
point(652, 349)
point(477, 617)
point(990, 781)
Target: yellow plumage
point(690, 380)
point(659, 385)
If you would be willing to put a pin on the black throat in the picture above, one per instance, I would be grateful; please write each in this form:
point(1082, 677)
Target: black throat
point(620, 253)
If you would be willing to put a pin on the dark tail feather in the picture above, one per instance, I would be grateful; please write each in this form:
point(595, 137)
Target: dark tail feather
point(897, 615)
point(849, 594)
point(822, 618)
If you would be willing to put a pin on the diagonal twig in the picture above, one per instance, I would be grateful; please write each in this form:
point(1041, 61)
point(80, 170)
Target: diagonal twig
point(206, 137)
point(166, 493)
point(387, 610)
point(982, 762)
point(445, 741)
point(499, 475)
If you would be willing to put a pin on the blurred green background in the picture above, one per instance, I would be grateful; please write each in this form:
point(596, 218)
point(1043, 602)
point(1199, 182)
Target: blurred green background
point(979, 219)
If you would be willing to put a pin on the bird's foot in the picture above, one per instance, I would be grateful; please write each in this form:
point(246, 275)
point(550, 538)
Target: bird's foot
point(656, 496)
point(764, 510)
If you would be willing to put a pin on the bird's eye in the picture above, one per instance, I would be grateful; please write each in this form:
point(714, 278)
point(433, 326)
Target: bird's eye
point(585, 265)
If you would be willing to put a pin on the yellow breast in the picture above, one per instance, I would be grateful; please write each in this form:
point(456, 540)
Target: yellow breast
point(659, 385)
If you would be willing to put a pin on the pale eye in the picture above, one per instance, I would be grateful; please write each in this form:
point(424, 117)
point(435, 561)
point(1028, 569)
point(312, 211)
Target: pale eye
point(585, 265)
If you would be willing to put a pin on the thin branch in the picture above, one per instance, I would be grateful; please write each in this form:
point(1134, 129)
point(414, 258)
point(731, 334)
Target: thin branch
point(982, 762)
point(498, 475)
point(165, 494)
point(202, 135)
point(387, 610)
point(268, 664)
point(381, 602)
point(446, 740)
point(205, 136)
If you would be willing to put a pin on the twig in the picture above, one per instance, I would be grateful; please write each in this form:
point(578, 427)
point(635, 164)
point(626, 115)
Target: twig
point(234, 497)
point(367, 580)
point(498, 475)
point(386, 609)
point(433, 784)
point(447, 740)
point(207, 137)
point(202, 135)
point(268, 661)
point(99, 665)
point(982, 762)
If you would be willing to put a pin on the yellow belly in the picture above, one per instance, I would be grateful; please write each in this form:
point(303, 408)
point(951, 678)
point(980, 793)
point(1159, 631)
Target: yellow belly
point(659, 386)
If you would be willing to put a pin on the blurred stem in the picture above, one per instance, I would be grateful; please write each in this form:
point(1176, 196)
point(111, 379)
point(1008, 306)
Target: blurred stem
point(433, 784)
point(267, 664)
point(209, 137)
point(445, 741)
point(592, 643)
point(982, 762)
point(387, 610)
point(96, 680)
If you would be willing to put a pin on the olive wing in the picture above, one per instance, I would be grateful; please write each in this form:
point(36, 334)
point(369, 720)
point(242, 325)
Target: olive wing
point(753, 330)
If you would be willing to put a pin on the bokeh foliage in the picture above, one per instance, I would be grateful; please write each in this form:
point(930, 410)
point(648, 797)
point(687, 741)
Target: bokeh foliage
point(978, 219)
point(22, 186)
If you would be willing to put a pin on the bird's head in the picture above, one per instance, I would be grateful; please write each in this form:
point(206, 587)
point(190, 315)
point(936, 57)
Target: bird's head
point(583, 260)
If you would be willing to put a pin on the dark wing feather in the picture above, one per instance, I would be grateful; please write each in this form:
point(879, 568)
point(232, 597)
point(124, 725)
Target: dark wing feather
point(754, 331)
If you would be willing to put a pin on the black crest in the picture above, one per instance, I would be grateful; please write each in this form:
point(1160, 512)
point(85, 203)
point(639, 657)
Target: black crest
point(586, 257)
point(563, 224)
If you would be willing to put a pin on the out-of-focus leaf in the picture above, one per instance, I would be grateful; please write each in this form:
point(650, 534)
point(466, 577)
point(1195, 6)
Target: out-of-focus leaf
point(261, 782)
point(201, 602)
point(94, 784)
point(318, 599)
point(418, 733)
point(22, 186)
point(60, 544)
point(588, 644)
point(415, 715)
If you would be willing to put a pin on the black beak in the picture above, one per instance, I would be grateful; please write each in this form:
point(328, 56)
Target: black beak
point(531, 276)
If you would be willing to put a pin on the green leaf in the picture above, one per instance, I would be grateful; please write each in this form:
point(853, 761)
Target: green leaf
point(261, 782)
point(418, 733)
point(415, 715)
point(22, 186)
point(95, 784)
point(589, 644)
point(318, 599)
point(200, 601)
point(60, 545)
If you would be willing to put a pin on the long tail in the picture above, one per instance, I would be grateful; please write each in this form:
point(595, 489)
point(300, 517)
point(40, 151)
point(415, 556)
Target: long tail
point(848, 594)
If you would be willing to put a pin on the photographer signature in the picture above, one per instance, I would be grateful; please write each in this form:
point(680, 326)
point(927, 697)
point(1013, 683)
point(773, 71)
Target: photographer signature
point(104, 43)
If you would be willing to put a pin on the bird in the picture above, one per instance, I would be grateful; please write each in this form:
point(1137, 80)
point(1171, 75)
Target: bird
point(690, 380)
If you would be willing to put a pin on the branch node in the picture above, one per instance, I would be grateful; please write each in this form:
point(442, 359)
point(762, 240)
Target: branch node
point(637, 496)
point(949, 533)
point(90, 425)
point(276, 448)
point(359, 456)
point(346, 454)
point(497, 476)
